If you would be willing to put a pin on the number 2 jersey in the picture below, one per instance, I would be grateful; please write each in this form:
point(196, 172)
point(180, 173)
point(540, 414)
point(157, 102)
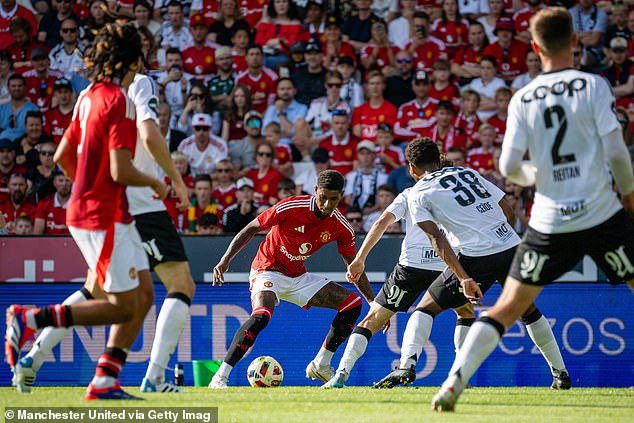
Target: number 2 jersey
point(297, 233)
point(466, 205)
point(560, 118)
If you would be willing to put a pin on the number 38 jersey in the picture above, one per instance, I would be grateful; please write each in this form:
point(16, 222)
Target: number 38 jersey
point(560, 118)
point(466, 205)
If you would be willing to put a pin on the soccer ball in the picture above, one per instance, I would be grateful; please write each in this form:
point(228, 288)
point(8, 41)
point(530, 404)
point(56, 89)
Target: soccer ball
point(264, 372)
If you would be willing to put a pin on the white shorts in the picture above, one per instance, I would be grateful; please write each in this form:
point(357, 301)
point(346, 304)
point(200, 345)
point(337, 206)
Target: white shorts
point(115, 256)
point(297, 290)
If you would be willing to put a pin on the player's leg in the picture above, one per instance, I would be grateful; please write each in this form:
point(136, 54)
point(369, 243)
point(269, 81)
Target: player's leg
point(263, 303)
point(466, 318)
point(482, 339)
point(325, 294)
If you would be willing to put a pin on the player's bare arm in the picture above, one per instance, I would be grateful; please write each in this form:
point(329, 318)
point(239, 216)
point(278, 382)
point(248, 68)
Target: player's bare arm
point(621, 167)
point(362, 284)
point(66, 158)
point(508, 211)
point(123, 172)
point(441, 245)
point(238, 242)
point(357, 266)
point(155, 144)
point(512, 167)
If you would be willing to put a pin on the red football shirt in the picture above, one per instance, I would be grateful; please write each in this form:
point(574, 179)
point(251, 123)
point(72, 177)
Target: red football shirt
point(53, 214)
point(263, 88)
point(427, 53)
point(466, 55)
point(297, 233)
point(369, 118)
point(469, 126)
point(500, 128)
point(103, 120)
point(453, 138)
point(453, 34)
point(6, 39)
point(200, 63)
point(413, 119)
point(480, 160)
point(342, 153)
point(224, 198)
point(450, 93)
point(511, 61)
point(11, 213)
point(56, 122)
point(382, 57)
point(40, 91)
point(265, 187)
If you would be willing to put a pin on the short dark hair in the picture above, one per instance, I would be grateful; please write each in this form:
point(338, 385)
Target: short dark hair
point(16, 76)
point(286, 183)
point(331, 179)
point(387, 188)
point(202, 177)
point(422, 151)
point(490, 59)
point(353, 209)
point(175, 3)
point(173, 50)
point(446, 105)
point(34, 114)
point(256, 46)
point(285, 78)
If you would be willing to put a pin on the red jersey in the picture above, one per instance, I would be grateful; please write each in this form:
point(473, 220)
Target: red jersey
point(179, 218)
point(104, 120)
point(342, 153)
point(11, 214)
point(283, 154)
point(290, 32)
point(427, 53)
point(382, 57)
point(239, 63)
point(511, 61)
point(224, 197)
point(53, 214)
point(369, 118)
point(345, 49)
point(263, 88)
point(453, 138)
point(453, 34)
point(500, 128)
point(6, 39)
point(450, 93)
point(209, 11)
point(480, 160)
point(469, 126)
point(22, 56)
point(393, 152)
point(4, 180)
point(413, 119)
point(40, 91)
point(265, 187)
point(200, 63)
point(297, 233)
point(522, 18)
point(467, 55)
point(56, 122)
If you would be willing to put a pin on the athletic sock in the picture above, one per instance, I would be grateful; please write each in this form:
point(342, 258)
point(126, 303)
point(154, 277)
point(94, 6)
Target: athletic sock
point(323, 357)
point(49, 337)
point(108, 368)
point(169, 327)
point(355, 348)
point(58, 316)
point(542, 335)
point(341, 327)
point(245, 336)
point(416, 335)
point(481, 340)
point(461, 331)
point(224, 370)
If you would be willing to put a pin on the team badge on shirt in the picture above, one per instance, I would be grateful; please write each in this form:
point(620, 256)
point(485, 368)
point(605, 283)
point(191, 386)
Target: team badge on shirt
point(268, 284)
point(132, 273)
point(325, 236)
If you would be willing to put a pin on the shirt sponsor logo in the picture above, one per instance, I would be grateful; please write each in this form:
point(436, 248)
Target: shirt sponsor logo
point(291, 257)
point(305, 247)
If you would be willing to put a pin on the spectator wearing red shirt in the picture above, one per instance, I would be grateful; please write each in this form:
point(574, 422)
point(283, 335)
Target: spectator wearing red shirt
point(509, 52)
point(498, 120)
point(414, 117)
point(58, 118)
point(522, 19)
point(376, 110)
point(425, 48)
point(199, 55)
point(466, 63)
point(451, 28)
point(40, 81)
point(481, 158)
point(50, 216)
point(239, 43)
point(17, 204)
point(378, 53)
point(283, 153)
point(467, 119)
point(442, 132)
point(442, 89)
point(21, 50)
point(262, 81)
point(265, 178)
point(388, 156)
point(224, 192)
point(620, 73)
point(9, 10)
point(179, 217)
point(8, 166)
point(202, 202)
point(314, 21)
point(341, 145)
point(333, 45)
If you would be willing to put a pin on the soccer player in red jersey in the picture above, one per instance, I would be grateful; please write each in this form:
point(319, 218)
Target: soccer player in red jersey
point(96, 152)
point(300, 226)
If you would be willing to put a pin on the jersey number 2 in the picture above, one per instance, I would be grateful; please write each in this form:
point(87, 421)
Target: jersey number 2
point(561, 133)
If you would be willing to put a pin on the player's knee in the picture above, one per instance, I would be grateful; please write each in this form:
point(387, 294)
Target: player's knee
point(532, 315)
point(350, 308)
point(465, 322)
point(259, 319)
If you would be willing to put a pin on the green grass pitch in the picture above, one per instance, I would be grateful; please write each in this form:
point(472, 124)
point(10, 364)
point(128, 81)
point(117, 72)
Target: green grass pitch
point(364, 404)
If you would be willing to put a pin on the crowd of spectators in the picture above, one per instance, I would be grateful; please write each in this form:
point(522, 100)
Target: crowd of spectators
point(257, 97)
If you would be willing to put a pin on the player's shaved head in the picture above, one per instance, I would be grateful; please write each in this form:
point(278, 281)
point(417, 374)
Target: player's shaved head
point(331, 180)
point(423, 153)
point(552, 31)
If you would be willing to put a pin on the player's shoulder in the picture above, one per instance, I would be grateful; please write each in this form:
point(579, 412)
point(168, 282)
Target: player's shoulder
point(294, 203)
point(342, 222)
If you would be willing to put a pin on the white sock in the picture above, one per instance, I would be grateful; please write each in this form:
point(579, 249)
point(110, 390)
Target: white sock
point(459, 335)
point(169, 327)
point(323, 357)
point(49, 337)
point(416, 335)
point(101, 382)
point(542, 335)
point(355, 348)
point(481, 340)
point(224, 370)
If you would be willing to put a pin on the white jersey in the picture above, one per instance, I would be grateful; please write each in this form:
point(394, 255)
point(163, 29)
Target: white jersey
point(466, 205)
point(560, 118)
point(204, 161)
point(143, 93)
point(416, 249)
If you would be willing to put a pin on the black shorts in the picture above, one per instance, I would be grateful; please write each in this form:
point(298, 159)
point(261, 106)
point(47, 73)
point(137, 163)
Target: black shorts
point(542, 258)
point(404, 286)
point(160, 239)
point(485, 270)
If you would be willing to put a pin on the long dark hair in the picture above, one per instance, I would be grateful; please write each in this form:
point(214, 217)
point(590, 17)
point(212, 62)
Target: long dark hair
point(115, 50)
point(292, 14)
point(232, 113)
